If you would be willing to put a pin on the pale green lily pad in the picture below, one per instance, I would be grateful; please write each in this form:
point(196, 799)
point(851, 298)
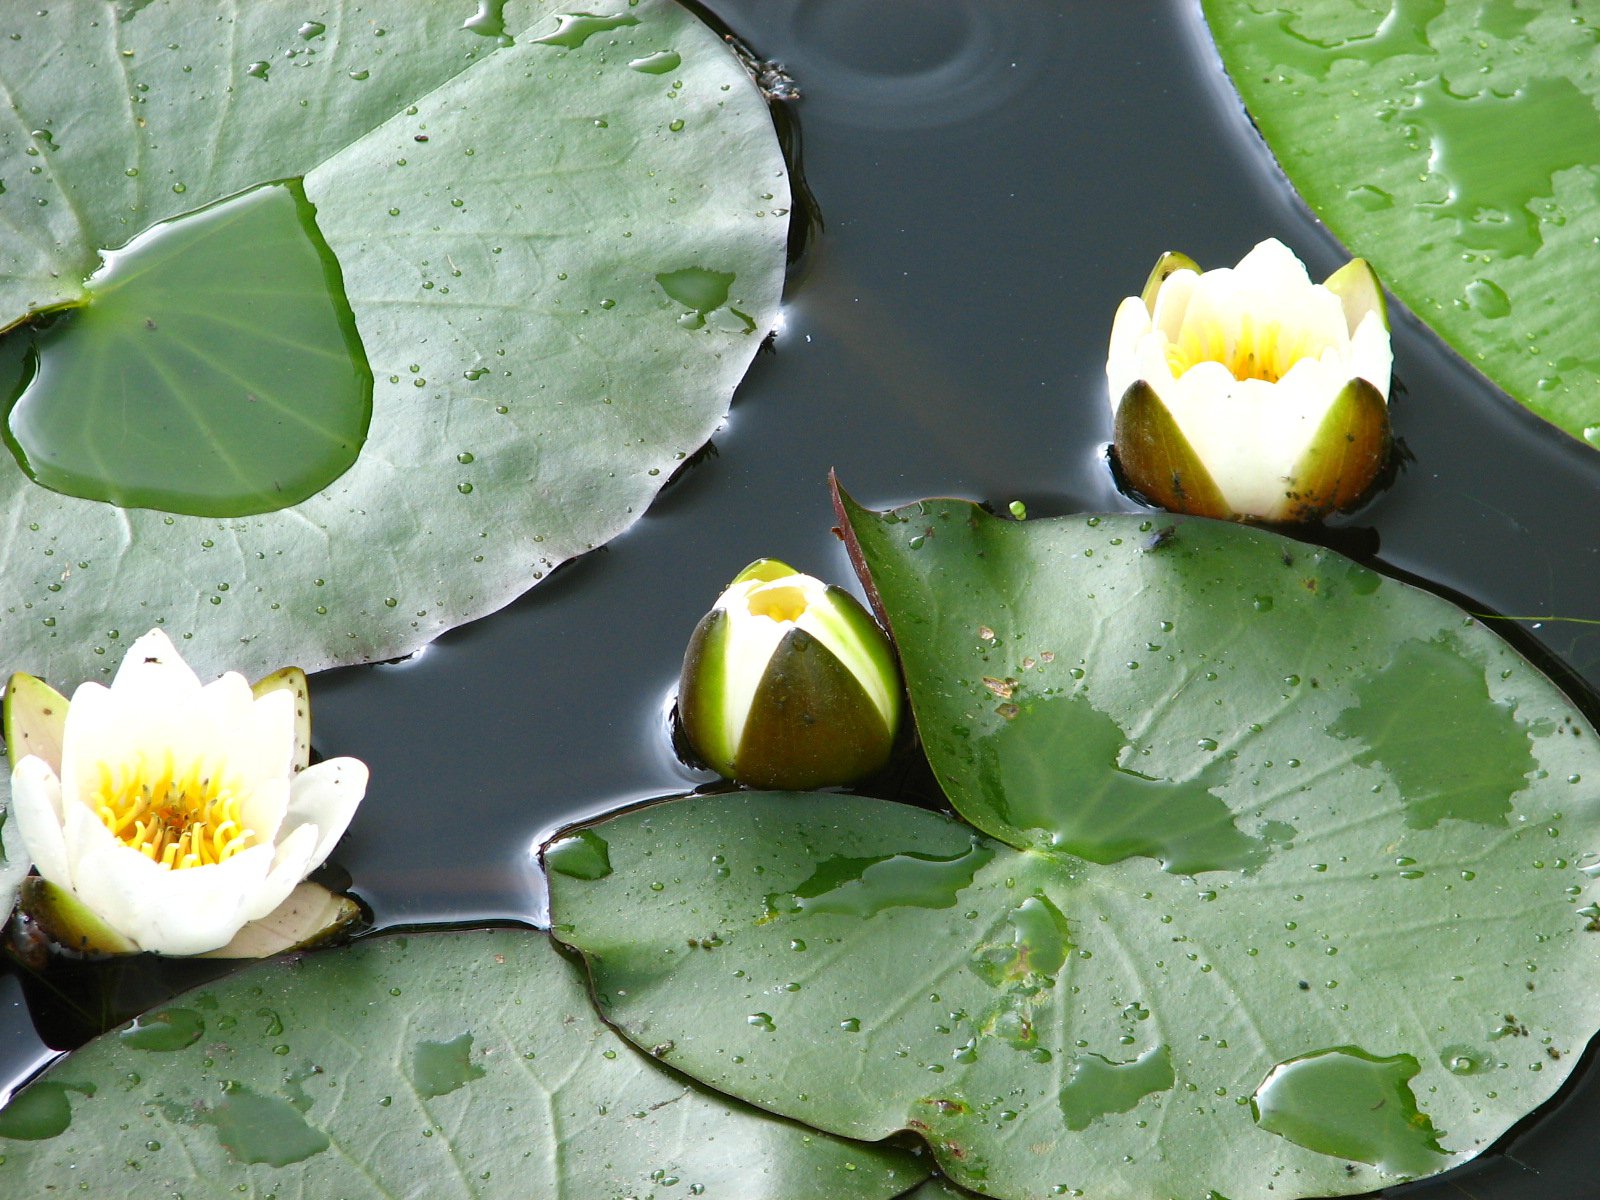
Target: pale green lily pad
point(507, 202)
point(1458, 148)
point(940, 1189)
point(459, 1064)
point(213, 368)
point(1283, 886)
point(14, 861)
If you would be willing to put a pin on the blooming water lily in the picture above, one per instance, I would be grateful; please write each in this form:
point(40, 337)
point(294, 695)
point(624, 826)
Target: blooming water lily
point(1251, 391)
point(789, 683)
point(167, 816)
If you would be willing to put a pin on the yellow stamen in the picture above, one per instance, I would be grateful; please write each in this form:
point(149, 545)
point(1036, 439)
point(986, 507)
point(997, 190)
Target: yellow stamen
point(1259, 350)
point(178, 817)
point(779, 603)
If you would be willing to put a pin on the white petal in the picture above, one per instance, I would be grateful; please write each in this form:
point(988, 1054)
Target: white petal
point(92, 724)
point(752, 640)
point(1172, 301)
point(1252, 434)
point(1129, 330)
point(1210, 324)
point(36, 808)
point(153, 667)
point(1152, 363)
point(271, 722)
point(264, 807)
point(171, 912)
point(118, 727)
point(1371, 355)
point(255, 738)
point(81, 831)
point(1272, 265)
point(1311, 317)
point(291, 864)
point(325, 795)
point(210, 726)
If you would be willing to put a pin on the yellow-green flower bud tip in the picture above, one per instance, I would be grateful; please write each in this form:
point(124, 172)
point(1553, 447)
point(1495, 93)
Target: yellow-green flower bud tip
point(789, 683)
point(1249, 391)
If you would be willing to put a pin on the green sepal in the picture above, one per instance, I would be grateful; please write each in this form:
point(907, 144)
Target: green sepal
point(67, 921)
point(764, 569)
point(1157, 459)
point(811, 724)
point(1349, 450)
point(310, 916)
point(35, 717)
point(1356, 284)
point(863, 648)
point(703, 691)
point(1165, 265)
point(293, 681)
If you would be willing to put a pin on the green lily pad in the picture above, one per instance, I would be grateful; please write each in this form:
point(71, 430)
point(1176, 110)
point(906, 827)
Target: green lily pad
point(1279, 886)
point(1457, 147)
point(14, 862)
point(213, 368)
point(555, 264)
point(940, 1189)
point(469, 1062)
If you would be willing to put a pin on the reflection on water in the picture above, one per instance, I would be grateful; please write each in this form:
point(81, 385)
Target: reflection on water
point(913, 63)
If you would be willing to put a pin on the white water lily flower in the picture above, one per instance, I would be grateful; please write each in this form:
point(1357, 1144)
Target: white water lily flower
point(174, 812)
point(1251, 391)
point(788, 683)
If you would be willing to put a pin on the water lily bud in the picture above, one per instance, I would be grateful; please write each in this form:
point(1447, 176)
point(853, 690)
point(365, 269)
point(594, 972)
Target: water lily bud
point(788, 683)
point(1250, 391)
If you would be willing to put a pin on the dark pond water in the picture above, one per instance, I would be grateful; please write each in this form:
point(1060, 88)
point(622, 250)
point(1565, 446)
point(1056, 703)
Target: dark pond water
point(994, 178)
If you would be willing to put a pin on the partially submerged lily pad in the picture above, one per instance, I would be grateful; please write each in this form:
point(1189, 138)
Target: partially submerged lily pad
point(14, 862)
point(1457, 147)
point(470, 1061)
point(556, 264)
point(1283, 884)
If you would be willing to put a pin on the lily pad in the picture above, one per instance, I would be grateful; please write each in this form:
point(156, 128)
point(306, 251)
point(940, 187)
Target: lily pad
point(1457, 147)
point(1279, 885)
point(14, 862)
point(467, 1062)
point(503, 220)
point(181, 386)
point(939, 1189)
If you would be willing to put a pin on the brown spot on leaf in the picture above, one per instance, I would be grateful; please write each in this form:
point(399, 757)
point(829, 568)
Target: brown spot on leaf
point(1000, 687)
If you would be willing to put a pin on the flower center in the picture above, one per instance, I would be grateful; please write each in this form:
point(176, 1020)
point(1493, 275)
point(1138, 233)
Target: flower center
point(779, 603)
point(178, 818)
point(1256, 350)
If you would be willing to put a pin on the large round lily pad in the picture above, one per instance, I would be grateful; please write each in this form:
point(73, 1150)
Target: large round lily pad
point(557, 238)
point(1282, 883)
point(1457, 147)
point(437, 1064)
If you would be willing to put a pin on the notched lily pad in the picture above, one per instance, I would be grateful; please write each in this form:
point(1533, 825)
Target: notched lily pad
point(364, 1072)
point(1243, 802)
point(213, 367)
point(555, 265)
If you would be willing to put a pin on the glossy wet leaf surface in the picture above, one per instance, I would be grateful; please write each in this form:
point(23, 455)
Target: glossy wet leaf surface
point(212, 369)
point(1232, 926)
point(503, 200)
point(939, 1189)
point(14, 862)
point(460, 1064)
point(1457, 147)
